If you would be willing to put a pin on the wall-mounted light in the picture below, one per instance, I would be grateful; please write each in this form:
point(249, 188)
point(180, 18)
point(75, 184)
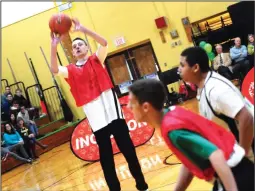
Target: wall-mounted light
point(63, 7)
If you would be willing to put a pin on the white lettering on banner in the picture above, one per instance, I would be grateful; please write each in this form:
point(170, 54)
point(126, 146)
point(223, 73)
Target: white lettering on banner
point(77, 144)
point(132, 124)
point(90, 139)
point(84, 141)
point(251, 89)
point(93, 139)
point(132, 127)
point(146, 163)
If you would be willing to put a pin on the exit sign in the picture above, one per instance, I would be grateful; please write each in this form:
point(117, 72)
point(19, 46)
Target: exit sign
point(119, 41)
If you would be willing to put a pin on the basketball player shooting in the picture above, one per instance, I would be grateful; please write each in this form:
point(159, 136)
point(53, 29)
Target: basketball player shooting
point(92, 90)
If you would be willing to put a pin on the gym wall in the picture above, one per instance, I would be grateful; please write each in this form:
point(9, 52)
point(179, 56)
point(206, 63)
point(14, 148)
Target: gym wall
point(133, 20)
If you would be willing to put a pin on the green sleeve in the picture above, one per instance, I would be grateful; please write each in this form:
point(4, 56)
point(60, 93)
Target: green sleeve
point(193, 146)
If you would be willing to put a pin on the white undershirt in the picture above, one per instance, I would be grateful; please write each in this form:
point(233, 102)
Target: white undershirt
point(102, 110)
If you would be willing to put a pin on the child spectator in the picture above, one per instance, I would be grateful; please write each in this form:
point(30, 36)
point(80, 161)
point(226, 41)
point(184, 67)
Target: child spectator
point(7, 91)
point(21, 100)
point(29, 123)
point(13, 120)
point(29, 138)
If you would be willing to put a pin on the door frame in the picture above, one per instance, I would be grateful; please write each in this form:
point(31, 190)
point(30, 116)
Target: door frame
point(134, 71)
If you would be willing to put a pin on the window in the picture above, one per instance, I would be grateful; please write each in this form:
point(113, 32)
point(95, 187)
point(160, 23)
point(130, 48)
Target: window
point(132, 64)
point(212, 23)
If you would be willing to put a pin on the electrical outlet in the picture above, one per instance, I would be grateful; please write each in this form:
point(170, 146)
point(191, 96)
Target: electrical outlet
point(173, 44)
point(179, 42)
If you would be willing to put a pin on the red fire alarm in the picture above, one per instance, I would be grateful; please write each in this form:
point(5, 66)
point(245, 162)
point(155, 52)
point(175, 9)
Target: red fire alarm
point(161, 22)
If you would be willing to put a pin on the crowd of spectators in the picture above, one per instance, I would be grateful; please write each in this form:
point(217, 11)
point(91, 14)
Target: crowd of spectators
point(237, 62)
point(19, 130)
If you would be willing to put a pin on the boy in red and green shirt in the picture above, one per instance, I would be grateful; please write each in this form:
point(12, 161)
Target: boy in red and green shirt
point(205, 149)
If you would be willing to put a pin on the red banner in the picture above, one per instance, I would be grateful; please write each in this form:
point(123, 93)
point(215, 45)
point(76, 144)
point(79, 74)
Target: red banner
point(248, 86)
point(83, 143)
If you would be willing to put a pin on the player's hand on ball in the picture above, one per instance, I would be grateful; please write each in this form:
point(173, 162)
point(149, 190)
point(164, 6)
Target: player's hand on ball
point(77, 26)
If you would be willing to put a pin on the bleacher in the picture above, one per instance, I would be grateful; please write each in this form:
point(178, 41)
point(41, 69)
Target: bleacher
point(53, 128)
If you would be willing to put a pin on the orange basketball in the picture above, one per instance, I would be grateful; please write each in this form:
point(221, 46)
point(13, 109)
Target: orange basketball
point(60, 23)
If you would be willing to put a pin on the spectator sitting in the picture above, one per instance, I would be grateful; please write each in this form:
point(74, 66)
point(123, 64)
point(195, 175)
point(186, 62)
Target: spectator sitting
point(250, 49)
point(238, 54)
point(15, 105)
point(7, 91)
point(13, 141)
point(5, 108)
point(15, 108)
point(13, 120)
point(29, 138)
point(29, 123)
point(222, 63)
point(250, 45)
point(21, 100)
point(9, 99)
point(6, 152)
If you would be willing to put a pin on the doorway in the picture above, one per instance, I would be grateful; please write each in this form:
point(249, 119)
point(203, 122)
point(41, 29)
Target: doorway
point(129, 65)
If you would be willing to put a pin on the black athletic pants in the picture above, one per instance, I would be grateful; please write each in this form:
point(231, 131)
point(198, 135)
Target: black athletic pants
point(243, 174)
point(224, 71)
point(119, 129)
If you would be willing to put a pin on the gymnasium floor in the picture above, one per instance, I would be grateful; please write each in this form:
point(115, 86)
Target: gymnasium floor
point(59, 170)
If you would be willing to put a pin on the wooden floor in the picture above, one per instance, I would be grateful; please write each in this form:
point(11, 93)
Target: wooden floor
point(59, 170)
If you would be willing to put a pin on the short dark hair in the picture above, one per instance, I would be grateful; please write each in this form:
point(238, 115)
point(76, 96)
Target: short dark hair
point(149, 90)
point(15, 102)
point(20, 119)
point(78, 38)
point(197, 55)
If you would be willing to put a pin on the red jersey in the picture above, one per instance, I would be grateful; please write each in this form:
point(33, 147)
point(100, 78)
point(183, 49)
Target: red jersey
point(180, 118)
point(87, 82)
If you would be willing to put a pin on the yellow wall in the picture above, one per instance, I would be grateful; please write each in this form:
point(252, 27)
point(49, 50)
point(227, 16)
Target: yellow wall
point(133, 20)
